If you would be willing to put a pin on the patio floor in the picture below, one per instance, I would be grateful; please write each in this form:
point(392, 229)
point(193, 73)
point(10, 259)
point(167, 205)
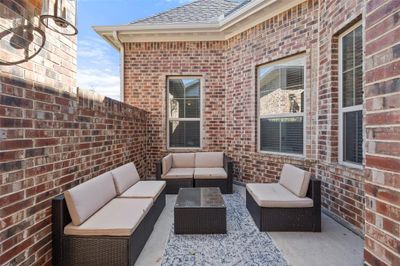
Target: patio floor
point(335, 245)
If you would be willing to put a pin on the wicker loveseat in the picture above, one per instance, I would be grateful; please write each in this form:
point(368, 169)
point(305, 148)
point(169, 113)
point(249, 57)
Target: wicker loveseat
point(106, 220)
point(293, 204)
point(200, 169)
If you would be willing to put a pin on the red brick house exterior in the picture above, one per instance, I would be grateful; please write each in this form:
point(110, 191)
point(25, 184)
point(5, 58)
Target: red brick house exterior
point(53, 136)
point(356, 197)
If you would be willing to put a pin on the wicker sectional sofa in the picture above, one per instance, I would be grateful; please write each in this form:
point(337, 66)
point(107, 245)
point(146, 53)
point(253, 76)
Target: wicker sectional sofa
point(200, 169)
point(106, 220)
point(293, 204)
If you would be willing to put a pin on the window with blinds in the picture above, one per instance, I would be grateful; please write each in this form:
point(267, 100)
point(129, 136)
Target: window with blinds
point(281, 106)
point(351, 96)
point(184, 112)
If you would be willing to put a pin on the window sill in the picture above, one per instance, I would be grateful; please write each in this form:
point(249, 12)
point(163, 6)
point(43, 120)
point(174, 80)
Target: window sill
point(351, 165)
point(184, 149)
point(296, 156)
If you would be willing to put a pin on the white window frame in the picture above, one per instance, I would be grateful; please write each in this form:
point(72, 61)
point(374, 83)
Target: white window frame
point(342, 109)
point(185, 119)
point(303, 114)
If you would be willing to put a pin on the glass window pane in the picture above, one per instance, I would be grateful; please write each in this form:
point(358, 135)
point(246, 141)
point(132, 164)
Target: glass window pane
point(352, 59)
point(348, 51)
point(352, 137)
point(292, 135)
point(270, 135)
point(358, 46)
point(282, 134)
point(176, 88)
point(358, 86)
point(176, 134)
point(281, 88)
point(293, 76)
point(347, 87)
point(177, 107)
point(192, 108)
point(192, 88)
point(184, 134)
point(192, 134)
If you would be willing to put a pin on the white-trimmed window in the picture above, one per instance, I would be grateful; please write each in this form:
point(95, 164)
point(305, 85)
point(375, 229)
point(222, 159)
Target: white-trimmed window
point(351, 96)
point(184, 112)
point(281, 106)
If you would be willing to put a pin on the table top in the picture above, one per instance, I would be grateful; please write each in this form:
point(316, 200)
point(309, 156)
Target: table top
point(205, 197)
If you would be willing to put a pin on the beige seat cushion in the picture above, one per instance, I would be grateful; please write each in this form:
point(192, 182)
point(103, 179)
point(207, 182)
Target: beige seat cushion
point(209, 160)
point(166, 163)
point(145, 189)
point(87, 198)
point(295, 179)
point(183, 160)
point(179, 173)
point(210, 173)
point(120, 217)
point(276, 196)
point(124, 177)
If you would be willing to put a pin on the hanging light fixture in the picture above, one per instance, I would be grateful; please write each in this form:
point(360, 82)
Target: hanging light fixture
point(24, 40)
point(56, 15)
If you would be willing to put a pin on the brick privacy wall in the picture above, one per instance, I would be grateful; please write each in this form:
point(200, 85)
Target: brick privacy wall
point(52, 137)
point(51, 141)
point(382, 121)
point(230, 115)
point(147, 66)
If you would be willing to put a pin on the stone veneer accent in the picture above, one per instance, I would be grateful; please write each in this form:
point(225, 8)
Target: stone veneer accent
point(53, 137)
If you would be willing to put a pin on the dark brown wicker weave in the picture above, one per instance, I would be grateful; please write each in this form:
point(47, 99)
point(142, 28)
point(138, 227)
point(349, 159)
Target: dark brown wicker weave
point(99, 250)
point(289, 219)
point(202, 216)
point(173, 185)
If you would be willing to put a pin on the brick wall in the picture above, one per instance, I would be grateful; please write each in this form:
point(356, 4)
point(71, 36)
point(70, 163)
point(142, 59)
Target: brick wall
point(147, 66)
point(342, 187)
point(231, 106)
point(52, 137)
point(382, 121)
point(51, 141)
point(290, 33)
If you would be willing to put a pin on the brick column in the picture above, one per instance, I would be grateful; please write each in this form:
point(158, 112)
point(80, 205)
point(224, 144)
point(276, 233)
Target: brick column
point(382, 121)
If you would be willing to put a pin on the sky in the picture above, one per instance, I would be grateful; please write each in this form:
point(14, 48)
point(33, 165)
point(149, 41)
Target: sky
point(98, 62)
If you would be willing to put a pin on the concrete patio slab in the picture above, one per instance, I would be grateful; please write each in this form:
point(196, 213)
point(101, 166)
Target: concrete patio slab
point(335, 245)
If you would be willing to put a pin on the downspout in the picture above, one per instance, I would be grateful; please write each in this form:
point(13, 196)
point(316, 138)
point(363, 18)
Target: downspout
point(122, 65)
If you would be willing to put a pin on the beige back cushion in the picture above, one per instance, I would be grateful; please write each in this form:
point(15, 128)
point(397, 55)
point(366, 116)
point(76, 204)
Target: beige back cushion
point(87, 198)
point(124, 177)
point(209, 160)
point(295, 180)
point(166, 164)
point(183, 160)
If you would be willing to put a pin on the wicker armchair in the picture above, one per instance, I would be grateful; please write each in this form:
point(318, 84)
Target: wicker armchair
point(292, 213)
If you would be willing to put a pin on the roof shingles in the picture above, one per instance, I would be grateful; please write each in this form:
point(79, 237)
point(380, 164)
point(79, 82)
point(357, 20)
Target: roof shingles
point(200, 11)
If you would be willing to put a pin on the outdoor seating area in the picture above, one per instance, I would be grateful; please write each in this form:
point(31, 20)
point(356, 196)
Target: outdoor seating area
point(200, 133)
point(106, 220)
point(200, 169)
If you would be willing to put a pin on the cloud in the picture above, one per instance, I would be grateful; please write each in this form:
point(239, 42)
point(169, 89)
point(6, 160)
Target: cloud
point(98, 68)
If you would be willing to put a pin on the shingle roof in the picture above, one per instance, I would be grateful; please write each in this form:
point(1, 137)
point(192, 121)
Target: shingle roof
point(200, 11)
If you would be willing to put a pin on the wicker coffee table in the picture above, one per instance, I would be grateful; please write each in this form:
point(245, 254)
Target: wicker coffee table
point(200, 211)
